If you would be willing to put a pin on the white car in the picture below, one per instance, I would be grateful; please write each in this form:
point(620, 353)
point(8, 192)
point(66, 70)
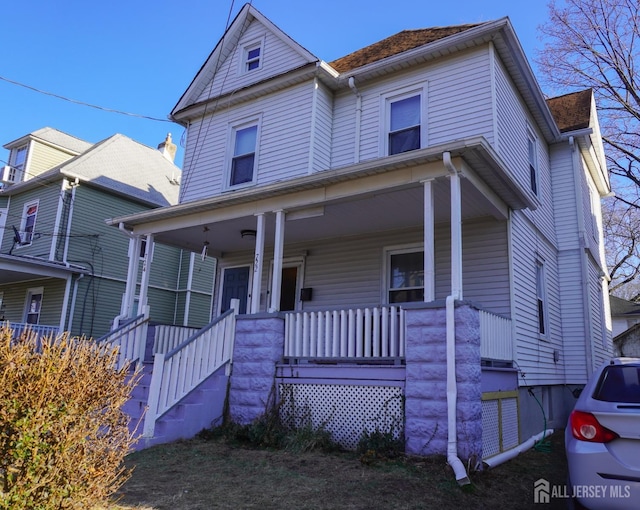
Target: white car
point(602, 438)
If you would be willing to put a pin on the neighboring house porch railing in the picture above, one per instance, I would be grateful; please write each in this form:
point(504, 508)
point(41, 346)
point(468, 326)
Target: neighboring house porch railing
point(178, 372)
point(40, 330)
point(359, 333)
point(495, 337)
point(130, 337)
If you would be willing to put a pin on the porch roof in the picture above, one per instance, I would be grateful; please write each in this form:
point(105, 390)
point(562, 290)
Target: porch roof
point(15, 268)
point(304, 197)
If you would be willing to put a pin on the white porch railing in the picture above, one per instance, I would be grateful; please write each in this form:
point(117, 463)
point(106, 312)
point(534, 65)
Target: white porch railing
point(167, 338)
point(40, 330)
point(495, 337)
point(130, 337)
point(377, 332)
point(179, 371)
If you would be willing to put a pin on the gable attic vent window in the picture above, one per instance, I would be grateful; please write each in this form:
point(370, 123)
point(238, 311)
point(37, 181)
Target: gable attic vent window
point(252, 57)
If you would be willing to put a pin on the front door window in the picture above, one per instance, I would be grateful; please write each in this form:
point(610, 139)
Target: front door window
point(34, 304)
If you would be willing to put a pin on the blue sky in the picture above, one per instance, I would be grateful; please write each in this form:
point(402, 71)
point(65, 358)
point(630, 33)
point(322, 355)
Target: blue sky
point(139, 57)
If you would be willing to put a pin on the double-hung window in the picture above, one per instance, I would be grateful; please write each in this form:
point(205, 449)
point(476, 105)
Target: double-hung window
point(27, 228)
point(33, 305)
point(252, 56)
point(243, 160)
point(17, 160)
point(541, 298)
point(533, 161)
point(405, 275)
point(404, 122)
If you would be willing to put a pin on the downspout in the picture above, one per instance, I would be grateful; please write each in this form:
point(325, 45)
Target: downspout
point(456, 293)
point(352, 86)
point(582, 244)
point(65, 253)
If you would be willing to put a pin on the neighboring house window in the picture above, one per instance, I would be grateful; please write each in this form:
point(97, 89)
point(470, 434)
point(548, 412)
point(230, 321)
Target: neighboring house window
point(243, 161)
point(143, 248)
point(403, 124)
point(33, 306)
point(27, 228)
point(541, 299)
point(405, 274)
point(533, 161)
point(252, 57)
point(17, 161)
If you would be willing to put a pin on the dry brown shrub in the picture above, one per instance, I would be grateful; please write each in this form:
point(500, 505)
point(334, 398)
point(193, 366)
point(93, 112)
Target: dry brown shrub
point(63, 435)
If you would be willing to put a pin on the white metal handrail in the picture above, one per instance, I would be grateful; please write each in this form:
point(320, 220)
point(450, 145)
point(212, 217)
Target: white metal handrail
point(377, 332)
point(179, 371)
point(496, 340)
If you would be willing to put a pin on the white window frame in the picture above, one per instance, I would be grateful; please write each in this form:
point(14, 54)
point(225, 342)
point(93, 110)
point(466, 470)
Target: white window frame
point(16, 168)
point(34, 291)
point(389, 252)
point(542, 302)
point(532, 162)
point(246, 60)
point(231, 145)
point(386, 100)
point(23, 223)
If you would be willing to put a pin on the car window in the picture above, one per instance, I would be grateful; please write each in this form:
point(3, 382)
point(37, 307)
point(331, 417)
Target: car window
point(619, 383)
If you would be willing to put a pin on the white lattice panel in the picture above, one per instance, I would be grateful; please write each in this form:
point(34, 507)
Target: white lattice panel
point(509, 419)
point(490, 428)
point(346, 411)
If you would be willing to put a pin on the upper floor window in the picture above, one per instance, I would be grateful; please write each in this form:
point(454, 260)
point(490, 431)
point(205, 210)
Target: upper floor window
point(245, 139)
point(403, 121)
point(405, 275)
point(533, 161)
point(17, 160)
point(28, 224)
point(252, 57)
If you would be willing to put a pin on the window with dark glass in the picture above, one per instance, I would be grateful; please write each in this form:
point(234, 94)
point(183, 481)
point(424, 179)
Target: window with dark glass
point(253, 59)
point(404, 125)
point(406, 277)
point(244, 151)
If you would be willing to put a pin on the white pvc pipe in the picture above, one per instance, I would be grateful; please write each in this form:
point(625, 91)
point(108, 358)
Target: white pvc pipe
point(452, 397)
point(510, 454)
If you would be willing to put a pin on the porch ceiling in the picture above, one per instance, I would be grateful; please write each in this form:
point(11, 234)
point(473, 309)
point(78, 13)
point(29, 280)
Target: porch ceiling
point(371, 196)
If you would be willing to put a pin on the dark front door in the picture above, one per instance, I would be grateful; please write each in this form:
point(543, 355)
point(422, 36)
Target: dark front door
point(235, 285)
point(288, 292)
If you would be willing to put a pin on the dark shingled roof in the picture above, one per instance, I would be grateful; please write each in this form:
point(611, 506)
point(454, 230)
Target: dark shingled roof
point(402, 41)
point(623, 307)
point(571, 111)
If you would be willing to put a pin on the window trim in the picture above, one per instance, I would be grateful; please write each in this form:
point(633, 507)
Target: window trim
point(230, 156)
point(33, 291)
point(16, 171)
point(533, 166)
point(23, 223)
point(246, 60)
point(388, 252)
point(542, 301)
point(387, 99)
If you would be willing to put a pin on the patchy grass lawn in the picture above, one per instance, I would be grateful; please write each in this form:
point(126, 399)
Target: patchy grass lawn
point(210, 474)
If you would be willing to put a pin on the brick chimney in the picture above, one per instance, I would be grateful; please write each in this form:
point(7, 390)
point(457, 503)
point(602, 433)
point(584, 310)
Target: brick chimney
point(168, 148)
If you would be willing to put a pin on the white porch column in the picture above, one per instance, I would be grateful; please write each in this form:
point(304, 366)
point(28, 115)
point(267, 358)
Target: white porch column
point(429, 243)
point(456, 235)
point(146, 270)
point(132, 276)
point(256, 288)
point(278, 250)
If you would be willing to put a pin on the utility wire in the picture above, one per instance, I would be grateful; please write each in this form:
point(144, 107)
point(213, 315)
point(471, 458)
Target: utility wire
point(81, 103)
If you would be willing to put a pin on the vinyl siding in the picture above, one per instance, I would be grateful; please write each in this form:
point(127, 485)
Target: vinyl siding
point(15, 295)
point(278, 57)
point(48, 199)
point(44, 157)
point(347, 272)
point(322, 129)
point(535, 353)
point(283, 144)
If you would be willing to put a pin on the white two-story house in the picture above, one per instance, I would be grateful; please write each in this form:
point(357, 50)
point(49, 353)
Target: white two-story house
point(410, 219)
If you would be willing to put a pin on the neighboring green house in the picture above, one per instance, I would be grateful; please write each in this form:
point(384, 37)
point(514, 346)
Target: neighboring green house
point(61, 266)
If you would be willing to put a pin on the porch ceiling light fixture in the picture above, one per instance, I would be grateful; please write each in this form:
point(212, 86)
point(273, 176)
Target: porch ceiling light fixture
point(248, 233)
